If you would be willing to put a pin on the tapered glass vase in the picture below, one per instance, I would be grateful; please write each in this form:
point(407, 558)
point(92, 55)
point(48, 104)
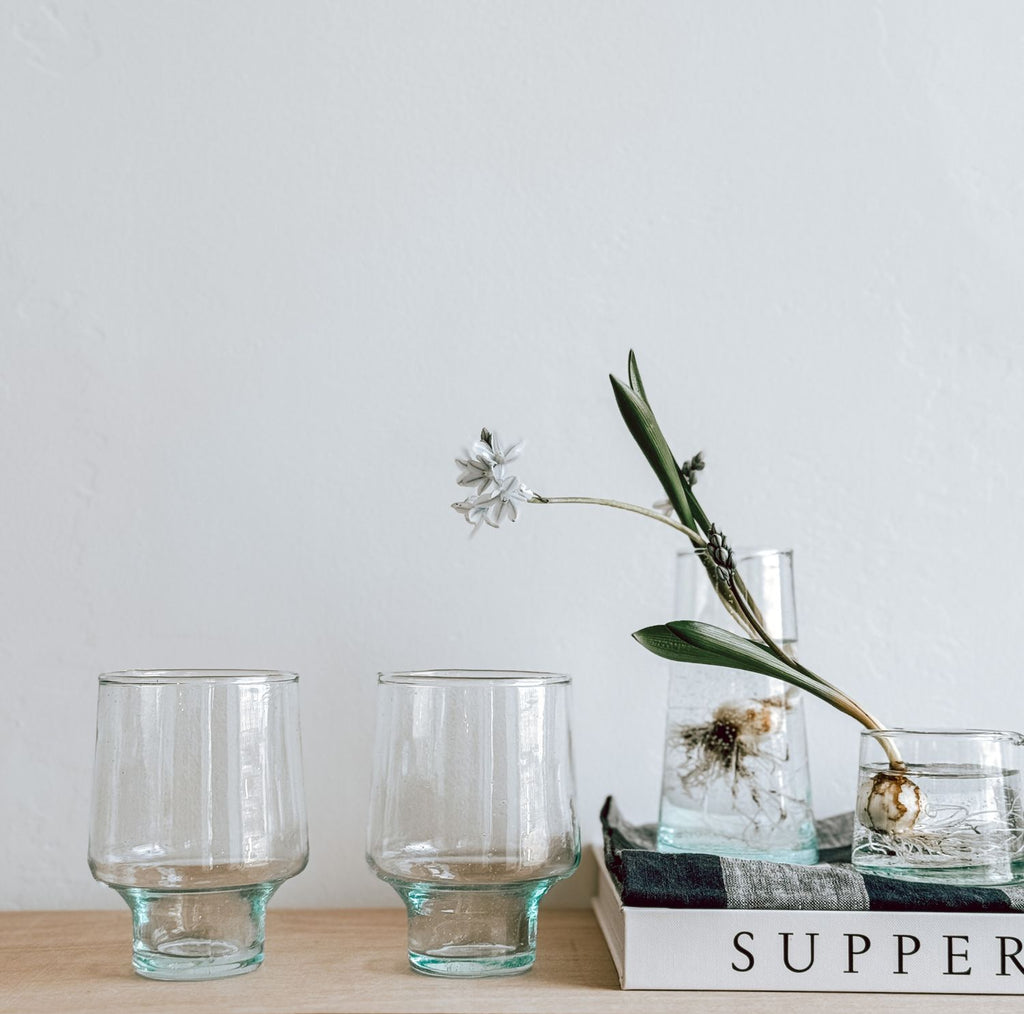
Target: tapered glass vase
point(736, 780)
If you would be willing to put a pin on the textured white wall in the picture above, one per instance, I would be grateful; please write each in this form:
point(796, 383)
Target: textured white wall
point(266, 266)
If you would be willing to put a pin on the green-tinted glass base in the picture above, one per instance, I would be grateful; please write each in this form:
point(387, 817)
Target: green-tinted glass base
point(189, 935)
point(472, 931)
point(735, 836)
point(953, 876)
point(464, 963)
point(801, 855)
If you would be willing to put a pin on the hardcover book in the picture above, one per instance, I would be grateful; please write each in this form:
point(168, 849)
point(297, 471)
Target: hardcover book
point(704, 922)
point(778, 949)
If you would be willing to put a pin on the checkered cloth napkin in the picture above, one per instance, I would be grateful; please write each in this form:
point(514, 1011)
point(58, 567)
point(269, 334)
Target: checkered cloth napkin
point(652, 879)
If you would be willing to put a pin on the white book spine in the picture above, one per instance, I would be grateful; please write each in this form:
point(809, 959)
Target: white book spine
point(754, 949)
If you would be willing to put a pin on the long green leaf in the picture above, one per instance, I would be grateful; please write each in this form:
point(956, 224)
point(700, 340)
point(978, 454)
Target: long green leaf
point(664, 641)
point(695, 508)
point(711, 639)
point(698, 518)
point(696, 511)
point(704, 644)
point(646, 432)
point(661, 641)
point(634, 378)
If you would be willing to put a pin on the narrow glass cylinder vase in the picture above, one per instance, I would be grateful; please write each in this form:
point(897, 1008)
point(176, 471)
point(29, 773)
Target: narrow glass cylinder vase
point(472, 815)
point(736, 780)
point(198, 812)
point(941, 806)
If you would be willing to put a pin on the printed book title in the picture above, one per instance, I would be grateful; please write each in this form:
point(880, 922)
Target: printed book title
point(899, 952)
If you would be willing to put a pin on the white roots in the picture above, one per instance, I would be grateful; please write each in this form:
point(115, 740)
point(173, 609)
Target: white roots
point(735, 764)
point(904, 826)
point(753, 721)
point(725, 747)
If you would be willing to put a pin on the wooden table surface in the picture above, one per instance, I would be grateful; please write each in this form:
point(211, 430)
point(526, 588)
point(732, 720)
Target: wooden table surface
point(323, 960)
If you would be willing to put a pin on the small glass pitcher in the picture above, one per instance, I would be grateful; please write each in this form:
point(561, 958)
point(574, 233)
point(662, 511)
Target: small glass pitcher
point(940, 805)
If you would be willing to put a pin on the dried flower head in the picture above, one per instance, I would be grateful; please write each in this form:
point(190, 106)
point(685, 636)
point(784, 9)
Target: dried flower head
point(689, 469)
point(719, 553)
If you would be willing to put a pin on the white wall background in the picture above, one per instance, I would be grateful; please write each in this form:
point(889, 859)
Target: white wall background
point(266, 266)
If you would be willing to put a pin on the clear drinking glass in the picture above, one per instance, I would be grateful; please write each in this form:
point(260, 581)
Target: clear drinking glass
point(472, 816)
point(940, 805)
point(736, 780)
point(198, 812)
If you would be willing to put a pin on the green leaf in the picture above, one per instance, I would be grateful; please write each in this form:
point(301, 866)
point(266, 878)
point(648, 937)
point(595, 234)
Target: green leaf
point(703, 644)
point(696, 512)
point(634, 378)
point(660, 640)
point(646, 432)
point(695, 508)
point(736, 651)
point(664, 641)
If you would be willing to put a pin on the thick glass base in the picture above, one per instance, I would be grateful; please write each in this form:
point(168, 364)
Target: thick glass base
point(957, 822)
point(736, 780)
point(188, 935)
point(465, 963)
point(734, 836)
point(956, 876)
point(472, 931)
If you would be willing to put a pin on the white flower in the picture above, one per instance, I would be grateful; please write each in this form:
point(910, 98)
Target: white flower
point(477, 473)
point(483, 467)
point(495, 507)
point(488, 448)
point(505, 502)
point(474, 509)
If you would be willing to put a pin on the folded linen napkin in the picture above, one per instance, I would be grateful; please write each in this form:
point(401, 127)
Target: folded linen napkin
point(648, 878)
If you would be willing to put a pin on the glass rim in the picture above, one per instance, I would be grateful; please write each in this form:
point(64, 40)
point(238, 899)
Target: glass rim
point(742, 552)
point(163, 677)
point(900, 733)
point(452, 677)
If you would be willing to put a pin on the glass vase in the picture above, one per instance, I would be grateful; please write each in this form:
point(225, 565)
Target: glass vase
point(941, 806)
point(472, 815)
point(198, 812)
point(735, 779)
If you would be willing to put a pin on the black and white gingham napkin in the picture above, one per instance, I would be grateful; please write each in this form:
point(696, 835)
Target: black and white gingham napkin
point(648, 878)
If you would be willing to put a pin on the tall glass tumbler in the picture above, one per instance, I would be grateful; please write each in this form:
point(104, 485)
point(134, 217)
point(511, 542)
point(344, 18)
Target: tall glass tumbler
point(198, 813)
point(472, 816)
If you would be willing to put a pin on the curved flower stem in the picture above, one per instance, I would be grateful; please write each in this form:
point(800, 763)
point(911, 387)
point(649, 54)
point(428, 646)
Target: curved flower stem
point(727, 592)
point(746, 613)
point(769, 642)
point(697, 539)
point(855, 710)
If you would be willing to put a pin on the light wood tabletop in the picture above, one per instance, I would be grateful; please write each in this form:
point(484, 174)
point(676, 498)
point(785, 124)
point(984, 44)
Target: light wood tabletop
point(326, 961)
